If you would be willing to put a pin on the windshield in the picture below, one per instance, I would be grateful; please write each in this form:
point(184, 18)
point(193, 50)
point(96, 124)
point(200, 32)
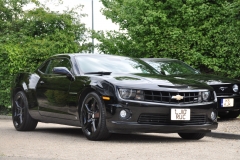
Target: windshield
point(113, 64)
point(172, 67)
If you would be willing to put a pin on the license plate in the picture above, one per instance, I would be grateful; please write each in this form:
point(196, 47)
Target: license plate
point(180, 114)
point(227, 102)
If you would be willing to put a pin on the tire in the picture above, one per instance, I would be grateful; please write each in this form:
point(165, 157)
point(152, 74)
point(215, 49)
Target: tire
point(231, 114)
point(93, 119)
point(192, 136)
point(22, 121)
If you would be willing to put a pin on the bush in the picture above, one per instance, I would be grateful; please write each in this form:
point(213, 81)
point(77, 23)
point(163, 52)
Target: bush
point(204, 34)
point(27, 38)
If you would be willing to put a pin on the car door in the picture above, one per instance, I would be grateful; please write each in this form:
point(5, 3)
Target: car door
point(53, 90)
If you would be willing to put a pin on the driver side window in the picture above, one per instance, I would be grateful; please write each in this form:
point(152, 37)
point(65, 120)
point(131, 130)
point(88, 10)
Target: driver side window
point(59, 62)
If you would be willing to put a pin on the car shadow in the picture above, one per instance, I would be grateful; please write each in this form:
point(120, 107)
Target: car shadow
point(223, 135)
point(73, 132)
point(115, 138)
point(146, 138)
point(227, 119)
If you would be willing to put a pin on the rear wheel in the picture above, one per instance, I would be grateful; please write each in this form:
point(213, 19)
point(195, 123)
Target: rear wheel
point(93, 119)
point(22, 121)
point(193, 136)
point(230, 114)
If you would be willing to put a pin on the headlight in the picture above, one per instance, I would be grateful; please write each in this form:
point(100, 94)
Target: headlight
point(131, 94)
point(127, 93)
point(235, 88)
point(205, 95)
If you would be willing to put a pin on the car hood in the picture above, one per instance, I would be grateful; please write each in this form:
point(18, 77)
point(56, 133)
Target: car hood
point(154, 82)
point(207, 78)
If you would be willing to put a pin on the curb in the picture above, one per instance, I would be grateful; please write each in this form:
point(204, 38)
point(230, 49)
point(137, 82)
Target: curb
point(5, 117)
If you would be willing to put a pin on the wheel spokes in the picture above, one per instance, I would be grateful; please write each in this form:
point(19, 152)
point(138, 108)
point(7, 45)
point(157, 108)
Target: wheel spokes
point(18, 107)
point(88, 110)
point(18, 115)
point(88, 123)
point(91, 116)
point(20, 118)
point(93, 125)
point(93, 106)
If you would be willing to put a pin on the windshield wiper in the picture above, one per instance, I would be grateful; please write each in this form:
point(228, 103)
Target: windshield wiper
point(100, 72)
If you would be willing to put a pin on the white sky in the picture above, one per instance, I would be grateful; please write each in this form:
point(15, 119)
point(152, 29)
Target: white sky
point(100, 22)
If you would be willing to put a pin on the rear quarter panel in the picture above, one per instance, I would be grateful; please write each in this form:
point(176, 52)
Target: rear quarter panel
point(26, 82)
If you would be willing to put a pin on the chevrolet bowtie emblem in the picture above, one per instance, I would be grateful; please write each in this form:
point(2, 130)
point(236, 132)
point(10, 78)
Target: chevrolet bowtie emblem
point(177, 97)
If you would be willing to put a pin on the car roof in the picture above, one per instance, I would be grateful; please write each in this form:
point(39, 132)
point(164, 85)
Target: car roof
point(87, 54)
point(158, 59)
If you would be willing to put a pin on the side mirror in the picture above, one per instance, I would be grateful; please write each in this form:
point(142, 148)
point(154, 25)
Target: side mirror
point(63, 71)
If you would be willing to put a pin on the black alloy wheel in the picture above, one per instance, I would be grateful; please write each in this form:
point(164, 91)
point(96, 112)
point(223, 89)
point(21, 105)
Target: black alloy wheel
point(22, 121)
point(192, 136)
point(93, 119)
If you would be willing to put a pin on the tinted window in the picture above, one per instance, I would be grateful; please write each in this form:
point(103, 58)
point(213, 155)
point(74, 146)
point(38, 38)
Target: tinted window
point(59, 62)
point(44, 67)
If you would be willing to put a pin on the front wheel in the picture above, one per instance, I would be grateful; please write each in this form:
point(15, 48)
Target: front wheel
point(93, 120)
point(193, 136)
point(22, 120)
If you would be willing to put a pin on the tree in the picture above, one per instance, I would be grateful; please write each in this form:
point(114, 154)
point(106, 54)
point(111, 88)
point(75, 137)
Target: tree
point(28, 37)
point(203, 33)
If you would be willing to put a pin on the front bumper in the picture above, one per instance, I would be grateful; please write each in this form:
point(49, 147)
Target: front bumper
point(235, 107)
point(156, 118)
point(131, 127)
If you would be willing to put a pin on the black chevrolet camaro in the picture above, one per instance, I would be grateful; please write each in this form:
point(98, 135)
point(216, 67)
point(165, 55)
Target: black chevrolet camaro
point(227, 89)
point(106, 94)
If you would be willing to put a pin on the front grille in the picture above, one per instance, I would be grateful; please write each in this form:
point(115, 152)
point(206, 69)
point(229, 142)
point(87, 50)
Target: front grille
point(225, 89)
point(159, 119)
point(167, 97)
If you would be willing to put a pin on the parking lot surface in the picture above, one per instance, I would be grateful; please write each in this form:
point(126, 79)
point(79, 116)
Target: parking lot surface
point(53, 141)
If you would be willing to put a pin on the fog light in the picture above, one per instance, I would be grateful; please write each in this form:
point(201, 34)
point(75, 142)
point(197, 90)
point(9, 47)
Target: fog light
point(213, 115)
point(124, 114)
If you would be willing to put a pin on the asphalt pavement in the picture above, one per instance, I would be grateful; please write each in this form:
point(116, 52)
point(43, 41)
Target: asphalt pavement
point(60, 142)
